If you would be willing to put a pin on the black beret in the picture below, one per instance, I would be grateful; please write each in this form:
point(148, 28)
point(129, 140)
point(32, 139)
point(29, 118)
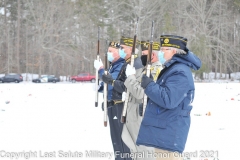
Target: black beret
point(114, 44)
point(145, 45)
point(128, 42)
point(173, 41)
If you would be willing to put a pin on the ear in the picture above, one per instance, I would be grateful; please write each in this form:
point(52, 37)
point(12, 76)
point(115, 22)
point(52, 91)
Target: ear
point(174, 51)
point(153, 53)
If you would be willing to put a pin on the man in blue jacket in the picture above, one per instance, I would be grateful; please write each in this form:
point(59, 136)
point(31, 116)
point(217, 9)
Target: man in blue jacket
point(114, 69)
point(112, 97)
point(118, 89)
point(166, 121)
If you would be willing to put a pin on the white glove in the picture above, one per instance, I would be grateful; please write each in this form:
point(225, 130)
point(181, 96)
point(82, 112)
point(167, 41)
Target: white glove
point(98, 64)
point(130, 70)
point(123, 96)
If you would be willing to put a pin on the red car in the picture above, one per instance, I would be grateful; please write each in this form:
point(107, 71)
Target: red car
point(83, 77)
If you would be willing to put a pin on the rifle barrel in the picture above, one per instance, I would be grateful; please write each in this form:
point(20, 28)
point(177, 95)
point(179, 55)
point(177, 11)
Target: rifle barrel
point(97, 81)
point(124, 112)
point(105, 88)
point(149, 63)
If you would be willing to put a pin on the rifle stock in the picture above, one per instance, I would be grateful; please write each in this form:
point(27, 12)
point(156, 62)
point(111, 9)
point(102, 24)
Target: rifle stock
point(149, 64)
point(97, 81)
point(124, 112)
point(105, 88)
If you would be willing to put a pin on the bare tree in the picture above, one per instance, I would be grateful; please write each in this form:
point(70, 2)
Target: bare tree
point(60, 37)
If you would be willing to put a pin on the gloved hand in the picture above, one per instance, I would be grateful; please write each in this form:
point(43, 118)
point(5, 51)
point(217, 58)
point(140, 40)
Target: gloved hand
point(107, 79)
point(123, 96)
point(145, 81)
point(130, 70)
point(98, 64)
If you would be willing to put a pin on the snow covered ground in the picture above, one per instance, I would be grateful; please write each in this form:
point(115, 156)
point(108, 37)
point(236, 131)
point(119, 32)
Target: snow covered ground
point(60, 121)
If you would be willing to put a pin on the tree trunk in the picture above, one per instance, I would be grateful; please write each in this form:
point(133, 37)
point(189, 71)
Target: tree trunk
point(18, 38)
point(6, 36)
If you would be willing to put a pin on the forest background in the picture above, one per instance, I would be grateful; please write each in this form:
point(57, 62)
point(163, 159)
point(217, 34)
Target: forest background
point(60, 37)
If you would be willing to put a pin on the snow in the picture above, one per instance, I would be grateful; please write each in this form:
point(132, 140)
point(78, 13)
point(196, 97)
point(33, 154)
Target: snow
point(219, 132)
point(60, 121)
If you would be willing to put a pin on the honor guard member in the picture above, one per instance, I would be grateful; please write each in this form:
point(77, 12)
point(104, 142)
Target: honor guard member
point(118, 84)
point(134, 109)
point(156, 65)
point(121, 151)
point(166, 121)
point(114, 69)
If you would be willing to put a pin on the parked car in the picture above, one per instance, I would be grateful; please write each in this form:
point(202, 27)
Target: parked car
point(13, 77)
point(46, 79)
point(83, 77)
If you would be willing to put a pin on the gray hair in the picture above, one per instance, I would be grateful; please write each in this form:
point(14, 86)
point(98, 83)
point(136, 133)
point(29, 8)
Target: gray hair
point(179, 51)
point(136, 50)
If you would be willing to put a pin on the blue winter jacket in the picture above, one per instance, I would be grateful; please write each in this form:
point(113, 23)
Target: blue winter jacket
point(166, 120)
point(114, 71)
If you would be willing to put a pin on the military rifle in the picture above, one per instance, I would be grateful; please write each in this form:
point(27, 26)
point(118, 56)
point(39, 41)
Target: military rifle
point(124, 112)
point(97, 80)
point(105, 87)
point(149, 64)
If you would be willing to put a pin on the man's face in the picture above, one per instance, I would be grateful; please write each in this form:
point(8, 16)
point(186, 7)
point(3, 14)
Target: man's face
point(168, 52)
point(127, 50)
point(115, 53)
point(154, 56)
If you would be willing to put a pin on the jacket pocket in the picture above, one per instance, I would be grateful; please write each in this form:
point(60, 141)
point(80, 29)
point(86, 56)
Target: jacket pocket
point(155, 122)
point(160, 132)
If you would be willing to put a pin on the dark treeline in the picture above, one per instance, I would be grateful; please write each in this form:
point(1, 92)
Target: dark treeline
point(60, 36)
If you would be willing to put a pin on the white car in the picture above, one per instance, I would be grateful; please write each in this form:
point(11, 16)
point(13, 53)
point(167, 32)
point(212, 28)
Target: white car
point(46, 79)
